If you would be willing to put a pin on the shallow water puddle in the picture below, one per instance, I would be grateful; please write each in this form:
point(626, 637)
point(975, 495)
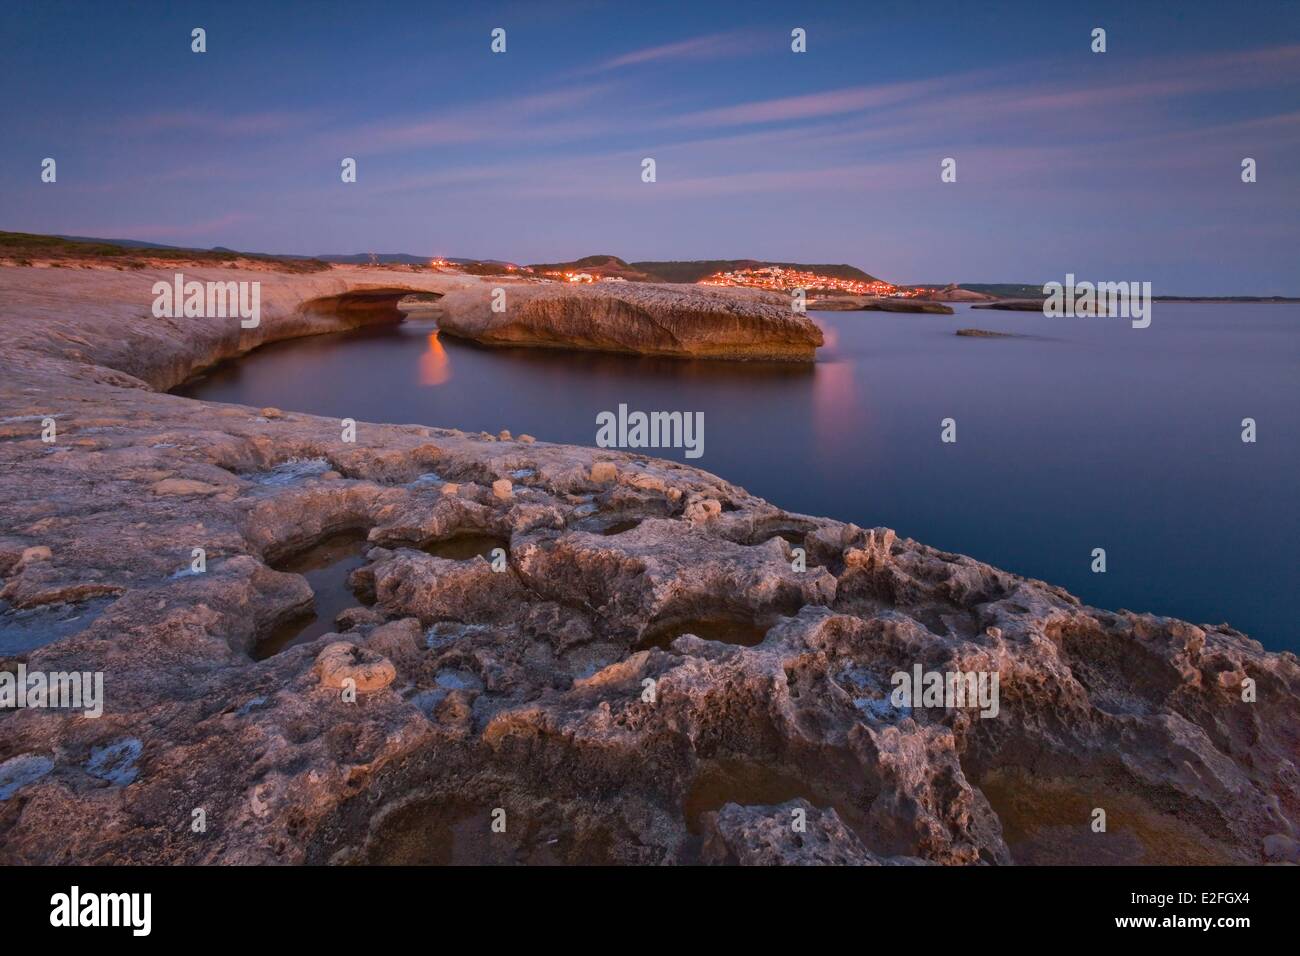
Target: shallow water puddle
point(467, 545)
point(1049, 822)
point(618, 527)
point(116, 762)
point(432, 834)
point(724, 628)
point(18, 772)
point(741, 782)
point(25, 630)
point(607, 526)
point(326, 566)
point(290, 472)
point(750, 784)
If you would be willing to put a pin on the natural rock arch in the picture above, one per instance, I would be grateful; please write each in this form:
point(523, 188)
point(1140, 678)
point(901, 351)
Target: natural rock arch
point(368, 303)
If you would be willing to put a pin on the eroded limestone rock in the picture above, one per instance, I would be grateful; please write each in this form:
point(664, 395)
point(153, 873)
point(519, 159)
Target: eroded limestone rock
point(342, 664)
point(646, 318)
point(792, 834)
point(647, 650)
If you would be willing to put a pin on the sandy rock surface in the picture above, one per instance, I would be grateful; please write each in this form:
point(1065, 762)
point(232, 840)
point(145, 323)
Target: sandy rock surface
point(648, 679)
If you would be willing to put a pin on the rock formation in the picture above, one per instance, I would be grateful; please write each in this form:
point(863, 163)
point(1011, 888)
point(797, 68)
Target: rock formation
point(1013, 305)
point(955, 293)
point(687, 321)
point(649, 678)
point(877, 303)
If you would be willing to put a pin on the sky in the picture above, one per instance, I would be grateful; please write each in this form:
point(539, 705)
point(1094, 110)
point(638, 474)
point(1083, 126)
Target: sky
point(1123, 165)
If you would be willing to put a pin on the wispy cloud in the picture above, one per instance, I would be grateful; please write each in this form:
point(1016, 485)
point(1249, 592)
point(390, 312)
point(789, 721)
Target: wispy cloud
point(218, 124)
point(856, 140)
point(712, 46)
point(809, 105)
point(555, 115)
point(201, 230)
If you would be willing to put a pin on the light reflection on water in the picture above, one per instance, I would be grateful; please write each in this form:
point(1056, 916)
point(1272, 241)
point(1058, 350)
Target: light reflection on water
point(435, 368)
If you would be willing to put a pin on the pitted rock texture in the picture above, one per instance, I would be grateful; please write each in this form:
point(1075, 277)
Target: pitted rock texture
point(646, 318)
point(647, 679)
point(792, 834)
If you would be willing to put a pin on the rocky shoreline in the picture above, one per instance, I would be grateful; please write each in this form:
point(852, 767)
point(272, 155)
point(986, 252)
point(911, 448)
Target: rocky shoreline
point(647, 680)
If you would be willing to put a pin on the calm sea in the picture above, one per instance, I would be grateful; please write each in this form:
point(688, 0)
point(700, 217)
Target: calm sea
point(1077, 434)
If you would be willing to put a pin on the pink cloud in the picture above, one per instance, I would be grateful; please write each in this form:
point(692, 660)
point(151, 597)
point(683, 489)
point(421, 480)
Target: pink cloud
point(714, 45)
point(983, 95)
point(828, 103)
point(521, 117)
point(246, 124)
point(190, 230)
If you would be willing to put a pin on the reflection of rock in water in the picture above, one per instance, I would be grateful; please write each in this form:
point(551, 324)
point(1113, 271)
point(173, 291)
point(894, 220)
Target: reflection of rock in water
point(326, 566)
point(467, 545)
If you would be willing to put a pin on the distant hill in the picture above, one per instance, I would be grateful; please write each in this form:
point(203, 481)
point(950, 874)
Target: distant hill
point(386, 258)
point(402, 258)
point(612, 267)
point(1001, 290)
point(131, 243)
point(25, 247)
point(22, 247)
point(355, 258)
point(601, 266)
point(696, 269)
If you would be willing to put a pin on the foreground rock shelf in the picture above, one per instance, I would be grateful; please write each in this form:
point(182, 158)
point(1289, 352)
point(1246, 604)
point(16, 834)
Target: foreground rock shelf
point(522, 690)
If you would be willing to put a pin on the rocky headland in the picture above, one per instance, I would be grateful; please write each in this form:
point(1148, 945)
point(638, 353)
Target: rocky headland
point(647, 678)
point(685, 321)
point(877, 303)
point(1013, 305)
point(955, 293)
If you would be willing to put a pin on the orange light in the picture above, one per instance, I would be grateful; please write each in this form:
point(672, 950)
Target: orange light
point(435, 367)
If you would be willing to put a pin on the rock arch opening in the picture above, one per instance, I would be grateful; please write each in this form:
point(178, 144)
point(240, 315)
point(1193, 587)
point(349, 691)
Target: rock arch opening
point(379, 304)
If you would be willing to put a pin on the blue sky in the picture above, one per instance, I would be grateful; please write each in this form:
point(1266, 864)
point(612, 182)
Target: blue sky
point(1123, 165)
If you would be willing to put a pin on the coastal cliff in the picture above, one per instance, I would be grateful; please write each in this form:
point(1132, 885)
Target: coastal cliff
point(648, 679)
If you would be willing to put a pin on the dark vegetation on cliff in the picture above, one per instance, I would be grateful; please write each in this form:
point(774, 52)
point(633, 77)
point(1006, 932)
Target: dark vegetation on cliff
point(1016, 290)
point(25, 247)
point(696, 269)
point(603, 266)
point(607, 266)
